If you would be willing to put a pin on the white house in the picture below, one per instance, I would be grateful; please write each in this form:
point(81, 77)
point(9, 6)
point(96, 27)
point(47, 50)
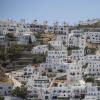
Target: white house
point(77, 38)
point(89, 22)
point(25, 74)
point(40, 49)
point(92, 92)
point(74, 73)
point(56, 44)
point(2, 37)
point(60, 29)
point(60, 92)
point(6, 88)
point(39, 82)
point(77, 54)
point(94, 68)
point(25, 39)
point(57, 54)
point(93, 37)
point(62, 38)
point(93, 65)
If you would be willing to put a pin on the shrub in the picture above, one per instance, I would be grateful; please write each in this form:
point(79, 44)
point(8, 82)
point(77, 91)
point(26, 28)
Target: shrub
point(20, 92)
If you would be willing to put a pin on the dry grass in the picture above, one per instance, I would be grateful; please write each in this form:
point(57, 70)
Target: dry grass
point(3, 77)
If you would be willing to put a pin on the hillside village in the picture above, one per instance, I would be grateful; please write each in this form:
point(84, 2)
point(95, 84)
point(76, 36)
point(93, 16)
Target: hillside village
point(49, 62)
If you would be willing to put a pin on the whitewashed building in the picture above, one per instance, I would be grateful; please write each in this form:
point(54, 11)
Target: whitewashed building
point(93, 65)
point(77, 38)
point(6, 88)
point(57, 54)
point(57, 45)
point(93, 37)
point(40, 49)
point(77, 54)
point(74, 73)
point(92, 92)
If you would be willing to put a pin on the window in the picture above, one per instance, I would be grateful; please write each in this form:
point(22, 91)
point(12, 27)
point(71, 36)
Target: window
point(46, 97)
point(9, 91)
point(9, 87)
point(77, 73)
point(1, 87)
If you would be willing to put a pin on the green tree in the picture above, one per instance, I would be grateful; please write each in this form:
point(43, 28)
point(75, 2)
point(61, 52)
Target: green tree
point(39, 58)
point(89, 50)
point(20, 92)
point(89, 79)
point(50, 47)
point(15, 49)
point(10, 37)
point(85, 66)
point(38, 35)
point(1, 98)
